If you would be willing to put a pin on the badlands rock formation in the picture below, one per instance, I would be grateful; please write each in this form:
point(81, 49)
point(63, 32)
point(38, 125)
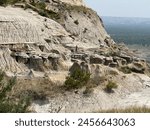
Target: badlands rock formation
point(42, 44)
point(58, 37)
point(74, 2)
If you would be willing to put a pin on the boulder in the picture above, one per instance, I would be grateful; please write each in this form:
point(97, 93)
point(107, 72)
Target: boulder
point(137, 67)
point(119, 60)
point(75, 66)
point(108, 60)
point(113, 64)
point(97, 59)
point(80, 66)
point(54, 62)
point(36, 63)
point(109, 41)
point(129, 59)
point(21, 57)
point(85, 67)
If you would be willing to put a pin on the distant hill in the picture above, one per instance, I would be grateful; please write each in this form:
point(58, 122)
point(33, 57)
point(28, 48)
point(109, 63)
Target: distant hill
point(126, 21)
point(128, 30)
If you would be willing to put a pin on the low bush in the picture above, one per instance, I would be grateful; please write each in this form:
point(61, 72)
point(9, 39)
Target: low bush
point(41, 5)
point(8, 104)
point(77, 79)
point(7, 2)
point(110, 86)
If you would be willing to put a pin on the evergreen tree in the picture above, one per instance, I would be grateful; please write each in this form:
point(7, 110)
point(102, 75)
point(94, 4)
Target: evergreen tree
point(8, 105)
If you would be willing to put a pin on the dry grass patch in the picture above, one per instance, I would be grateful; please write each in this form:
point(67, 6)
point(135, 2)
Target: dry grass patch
point(127, 110)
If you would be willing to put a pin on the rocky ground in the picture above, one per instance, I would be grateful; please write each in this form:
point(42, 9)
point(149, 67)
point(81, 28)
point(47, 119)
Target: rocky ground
point(139, 99)
point(133, 90)
point(42, 43)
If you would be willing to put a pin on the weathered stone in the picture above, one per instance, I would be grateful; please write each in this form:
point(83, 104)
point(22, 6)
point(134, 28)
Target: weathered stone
point(53, 55)
point(74, 67)
point(20, 57)
point(79, 56)
point(108, 60)
point(54, 62)
point(119, 60)
point(137, 67)
point(113, 64)
point(36, 63)
point(129, 59)
point(97, 59)
point(78, 65)
point(85, 67)
point(21, 5)
point(73, 2)
point(109, 41)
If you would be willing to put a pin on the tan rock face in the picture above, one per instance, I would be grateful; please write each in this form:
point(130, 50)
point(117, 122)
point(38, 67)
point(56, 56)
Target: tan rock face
point(30, 38)
point(74, 2)
point(26, 41)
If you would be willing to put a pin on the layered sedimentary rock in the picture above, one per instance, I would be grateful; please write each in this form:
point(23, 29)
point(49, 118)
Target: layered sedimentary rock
point(43, 44)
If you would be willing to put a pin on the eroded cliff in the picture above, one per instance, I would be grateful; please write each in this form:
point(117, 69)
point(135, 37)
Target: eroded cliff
point(42, 42)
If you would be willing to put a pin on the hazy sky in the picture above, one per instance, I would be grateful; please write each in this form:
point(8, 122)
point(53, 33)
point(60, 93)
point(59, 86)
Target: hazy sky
point(123, 8)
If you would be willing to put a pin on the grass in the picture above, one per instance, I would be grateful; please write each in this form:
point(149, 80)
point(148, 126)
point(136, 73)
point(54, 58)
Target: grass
point(7, 103)
point(127, 110)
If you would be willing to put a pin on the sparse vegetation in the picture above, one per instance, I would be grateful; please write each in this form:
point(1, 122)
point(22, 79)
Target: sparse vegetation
point(128, 110)
point(88, 91)
point(40, 5)
point(110, 86)
point(7, 2)
point(77, 79)
point(8, 104)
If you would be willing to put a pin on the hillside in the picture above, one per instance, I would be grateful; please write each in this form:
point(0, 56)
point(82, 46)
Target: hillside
point(41, 43)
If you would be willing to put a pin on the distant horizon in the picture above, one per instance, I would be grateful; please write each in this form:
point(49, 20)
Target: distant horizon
point(125, 17)
point(121, 8)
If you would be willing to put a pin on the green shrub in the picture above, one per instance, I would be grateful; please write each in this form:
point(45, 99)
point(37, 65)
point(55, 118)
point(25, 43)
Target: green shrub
point(8, 104)
point(77, 79)
point(110, 86)
point(7, 2)
point(3, 2)
point(43, 13)
point(41, 5)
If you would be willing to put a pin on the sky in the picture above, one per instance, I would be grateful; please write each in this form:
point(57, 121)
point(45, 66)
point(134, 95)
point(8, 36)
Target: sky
point(121, 8)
